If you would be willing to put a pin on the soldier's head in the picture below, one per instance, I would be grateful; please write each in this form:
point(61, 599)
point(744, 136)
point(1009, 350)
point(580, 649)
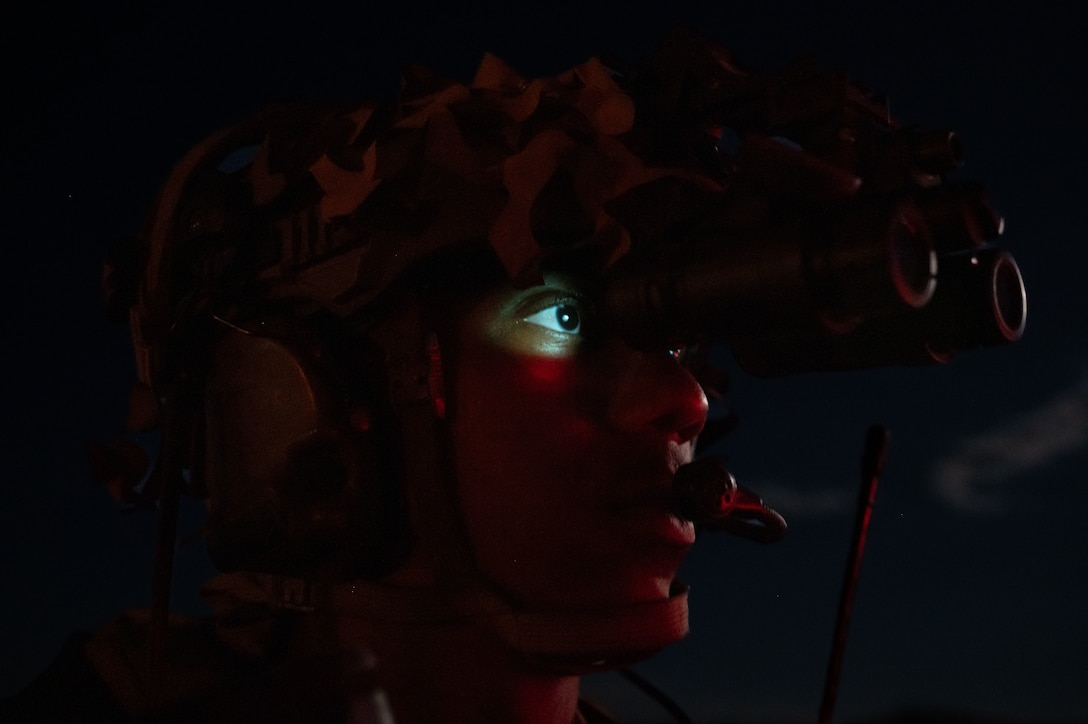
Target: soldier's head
point(377, 338)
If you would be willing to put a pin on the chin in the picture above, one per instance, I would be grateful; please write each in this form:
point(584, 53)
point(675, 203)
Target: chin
point(608, 589)
point(645, 574)
point(639, 587)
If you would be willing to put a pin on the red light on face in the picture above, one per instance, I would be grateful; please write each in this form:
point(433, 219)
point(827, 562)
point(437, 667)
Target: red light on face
point(546, 373)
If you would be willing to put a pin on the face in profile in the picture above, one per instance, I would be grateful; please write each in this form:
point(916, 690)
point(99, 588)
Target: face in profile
point(566, 441)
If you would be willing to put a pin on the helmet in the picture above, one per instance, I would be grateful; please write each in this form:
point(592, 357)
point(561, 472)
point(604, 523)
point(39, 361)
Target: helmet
point(285, 348)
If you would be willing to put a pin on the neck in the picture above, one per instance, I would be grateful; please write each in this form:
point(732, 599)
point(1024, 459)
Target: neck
point(449, 672)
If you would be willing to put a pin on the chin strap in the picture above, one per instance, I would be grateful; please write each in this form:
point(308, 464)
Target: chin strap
point(564, 641)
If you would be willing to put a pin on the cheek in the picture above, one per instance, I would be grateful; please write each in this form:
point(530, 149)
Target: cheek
point(518, 418)
point(549, 376)
point(523, 444)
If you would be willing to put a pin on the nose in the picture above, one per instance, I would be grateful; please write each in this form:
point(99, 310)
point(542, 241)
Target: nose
point(655, 394)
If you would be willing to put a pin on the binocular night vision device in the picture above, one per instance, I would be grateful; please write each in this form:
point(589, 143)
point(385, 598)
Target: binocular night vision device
point(840, 242)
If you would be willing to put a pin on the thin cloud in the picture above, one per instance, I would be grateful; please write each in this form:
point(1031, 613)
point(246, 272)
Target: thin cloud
point(975, 477)
point(794, 502)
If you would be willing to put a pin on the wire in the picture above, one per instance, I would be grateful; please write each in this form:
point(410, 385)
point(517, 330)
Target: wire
point(657, 695)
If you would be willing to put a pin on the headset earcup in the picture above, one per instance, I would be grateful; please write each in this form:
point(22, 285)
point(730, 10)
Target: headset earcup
point(295, 488)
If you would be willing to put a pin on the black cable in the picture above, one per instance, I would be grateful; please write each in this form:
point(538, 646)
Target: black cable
point(657, 695)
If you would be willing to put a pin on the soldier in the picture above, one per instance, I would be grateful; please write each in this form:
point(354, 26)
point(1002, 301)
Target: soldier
point(407, 352)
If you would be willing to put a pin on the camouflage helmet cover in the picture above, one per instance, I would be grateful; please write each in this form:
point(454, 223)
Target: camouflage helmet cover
point(332, 203)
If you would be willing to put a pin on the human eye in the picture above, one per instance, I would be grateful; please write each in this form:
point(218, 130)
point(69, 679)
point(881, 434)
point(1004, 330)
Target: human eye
point(552, 320)
point(553, 323)
point(564, 317)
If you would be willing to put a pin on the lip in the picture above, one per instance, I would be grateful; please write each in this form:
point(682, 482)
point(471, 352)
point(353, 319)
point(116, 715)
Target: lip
point(651, 515)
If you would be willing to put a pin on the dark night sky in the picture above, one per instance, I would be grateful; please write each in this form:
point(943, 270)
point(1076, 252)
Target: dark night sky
point(974, 587)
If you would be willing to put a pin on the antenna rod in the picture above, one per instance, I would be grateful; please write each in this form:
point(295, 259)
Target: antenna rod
point(872, 463)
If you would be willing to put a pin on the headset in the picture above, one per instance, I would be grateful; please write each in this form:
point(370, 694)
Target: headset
point(301, 458)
